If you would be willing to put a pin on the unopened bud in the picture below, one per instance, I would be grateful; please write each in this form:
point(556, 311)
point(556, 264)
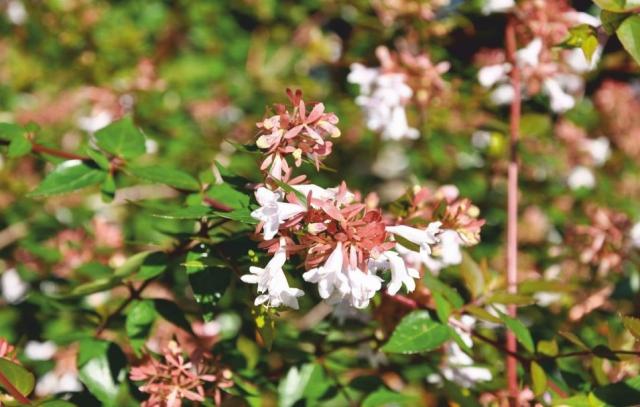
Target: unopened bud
point(315, 228)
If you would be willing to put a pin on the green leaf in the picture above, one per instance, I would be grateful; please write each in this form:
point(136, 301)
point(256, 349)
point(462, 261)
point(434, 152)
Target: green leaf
point(535, 125)
point(472, 275)
point(209, 278)
point(19, 377)
point(69, 176)
point(121, 138)
point(573, 338)
point(108, 189)
point(629, 35)
point(538, 379)
point(99, 158)
point(101, 368)
point(140, 318)
point(624, 393)
point(521, 332)
point(9, 131)
point(18, 147)
point(618, 5)
point(165, 175)
point(510, 298)
point(170, 311)
point(308, 381)
point(585, 37)
point(449, 293)
point(611, 21)
point(266, 324)
point(228, 195)
point(443, 308)
point(548, 348)
point(56, 403)
point(153, 265)
point(633, 325)
point(415, 333)
point(188, 212)
point(385, 398)
point(482, 313)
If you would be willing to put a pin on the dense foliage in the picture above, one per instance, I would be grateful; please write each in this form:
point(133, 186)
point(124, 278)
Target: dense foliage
point(305, 202)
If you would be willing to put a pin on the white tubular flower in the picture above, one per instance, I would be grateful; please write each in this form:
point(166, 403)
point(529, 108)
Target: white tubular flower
point(497, 6)
point(530, 55)
point(400, 273)
point(35, 350)
point(424, 238)
point(398, 127)
point(363, 77)
point(492, 74)
point(560, 100)
point(272, 283)
point(503, 94)
point(634, 233)
point(52, 383)
point(581, 177)
point(599, 150)
point(14, 288)
point(364, 285)
point(332, 281)
point(272, 212)
point(449, 251)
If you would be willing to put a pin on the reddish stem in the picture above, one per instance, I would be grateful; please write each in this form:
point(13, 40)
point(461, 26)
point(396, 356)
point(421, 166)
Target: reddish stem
point(512, 205)
point(38, 148)
point(15, 393)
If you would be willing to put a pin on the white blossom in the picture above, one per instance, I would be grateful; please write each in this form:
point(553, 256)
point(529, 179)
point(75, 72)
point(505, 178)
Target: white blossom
point(581, 177)
point(503, 94)
point(400, 273)
point(272, 282)
point(364, 285)
point(95, 122)
point(447, 253)
point(634, 233)
point(491, 74)
point(273, 212)
point(383, 97)
point(530, 54)
point(14, 288)
point(331, 279)
point(424, 238)
point(560, 100)
point(35, 350)
point(497, 6)
point(53, 382)
point(599, 149)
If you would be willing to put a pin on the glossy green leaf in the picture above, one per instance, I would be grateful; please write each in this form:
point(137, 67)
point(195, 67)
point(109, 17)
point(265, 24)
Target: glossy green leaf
point(629, 35)
point(101, 367)
point(18, 147)
point(19, 377)
point(9, 131)
point(449, 293)
point(140, 317)
point(209, 278)
point(472, 275)
point(384, 398)
point(618, 5)
point(69, 176)
point(415, 333)
point(443, 308)
point(165, 175)
point(538, 379)
point(121, 138)
point(573, 338)
point(633, 325)
point(305, 382)
point(170, 311)
point(548, 348)
point(520, 331)
point(611, 21)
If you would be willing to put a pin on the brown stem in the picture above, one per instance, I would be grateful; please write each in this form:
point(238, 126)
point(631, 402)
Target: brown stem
point(39, 148)
point(133, 294)
point(15, 393)
point(512, 205)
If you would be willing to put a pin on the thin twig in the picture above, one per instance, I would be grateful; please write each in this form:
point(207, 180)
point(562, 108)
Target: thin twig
point(134, 293)
point(512, 205)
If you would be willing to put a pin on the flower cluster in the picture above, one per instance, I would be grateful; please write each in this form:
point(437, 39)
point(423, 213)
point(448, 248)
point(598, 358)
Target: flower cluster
point(174, 379)
point(297, 134)
point(386, 91)
point(347, 242)
point(390, 10)
point(544, 69)
point(603, 242)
